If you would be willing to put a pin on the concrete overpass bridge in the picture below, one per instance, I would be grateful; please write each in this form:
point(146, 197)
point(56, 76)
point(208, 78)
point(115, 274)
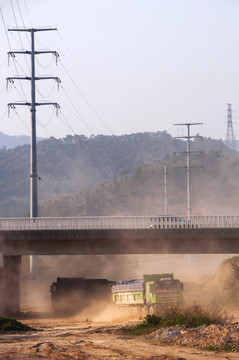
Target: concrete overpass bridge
point(119, 235)
point(109, 235)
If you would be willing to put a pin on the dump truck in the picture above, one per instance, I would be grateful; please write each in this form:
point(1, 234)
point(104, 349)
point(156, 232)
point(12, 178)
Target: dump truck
point(70, 296)
point(152, 294)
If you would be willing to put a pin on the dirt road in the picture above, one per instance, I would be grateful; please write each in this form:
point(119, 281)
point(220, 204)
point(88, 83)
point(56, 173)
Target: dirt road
point(77, 339)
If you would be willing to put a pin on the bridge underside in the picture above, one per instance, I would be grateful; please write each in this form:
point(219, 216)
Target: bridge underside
point(144, 241)
point(13, 244)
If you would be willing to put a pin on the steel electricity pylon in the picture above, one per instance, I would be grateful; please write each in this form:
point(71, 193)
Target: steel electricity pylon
point(33, 104)
point(230, 139)
point(188, 167)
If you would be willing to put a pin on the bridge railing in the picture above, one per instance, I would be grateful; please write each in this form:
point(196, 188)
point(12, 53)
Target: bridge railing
point(118, 222)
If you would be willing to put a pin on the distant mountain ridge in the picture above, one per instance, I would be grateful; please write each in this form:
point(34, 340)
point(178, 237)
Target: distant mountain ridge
point(12, 141)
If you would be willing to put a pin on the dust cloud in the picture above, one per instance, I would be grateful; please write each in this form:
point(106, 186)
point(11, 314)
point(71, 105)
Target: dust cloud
point(195, 271)
point(105, 311)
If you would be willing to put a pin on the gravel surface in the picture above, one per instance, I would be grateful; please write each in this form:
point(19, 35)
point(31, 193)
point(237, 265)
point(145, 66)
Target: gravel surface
point(64, 339)
point(212, 337)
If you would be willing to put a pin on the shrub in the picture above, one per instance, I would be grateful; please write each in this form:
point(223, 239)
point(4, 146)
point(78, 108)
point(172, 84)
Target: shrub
point(191, 316)
point(7, 324)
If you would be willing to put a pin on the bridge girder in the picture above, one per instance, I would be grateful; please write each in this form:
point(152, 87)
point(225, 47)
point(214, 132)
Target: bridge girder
point(118, 241)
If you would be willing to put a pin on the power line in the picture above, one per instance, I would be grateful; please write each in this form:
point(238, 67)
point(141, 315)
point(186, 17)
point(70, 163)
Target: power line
point(46, 96)
point(18, 91)
point(66, 122)
point(22, 121)
point(47, 66)
point(45, 46)
point(16, 62)
point(4, 24)
point(75, 112)
point(2, 89)
point(48, 122)
point(27, 12)
point(19, 33)
point(93, 86)
point(4, 62)
point(1, 118)
point(81, 117)
point(84, 145)
point(88, 103)
point(19, 9)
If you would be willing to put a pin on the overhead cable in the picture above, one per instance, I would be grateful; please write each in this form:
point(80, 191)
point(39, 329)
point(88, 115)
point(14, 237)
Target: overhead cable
point(4, 24)
point(93, 86)
point(88, 103)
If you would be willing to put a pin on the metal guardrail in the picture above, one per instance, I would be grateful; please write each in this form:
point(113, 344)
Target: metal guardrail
point(118, 222)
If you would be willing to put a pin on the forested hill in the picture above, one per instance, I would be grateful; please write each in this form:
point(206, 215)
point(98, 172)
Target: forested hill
point(68, 165)
point(214, 189)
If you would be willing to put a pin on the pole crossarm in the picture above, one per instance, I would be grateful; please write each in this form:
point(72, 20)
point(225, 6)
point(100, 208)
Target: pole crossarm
point(27, 52)
point(48, 103)
point(35, 78)
point(48, 78)
point(37, 104)
point(185, 152)
point(189, 124)
point(190, 137)
point(32, 29)
point(56, 105)
point(12, 78)
point(11, 53)
point(13, 105)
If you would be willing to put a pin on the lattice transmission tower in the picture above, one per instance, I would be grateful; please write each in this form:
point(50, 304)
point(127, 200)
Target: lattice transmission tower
point(230, 139)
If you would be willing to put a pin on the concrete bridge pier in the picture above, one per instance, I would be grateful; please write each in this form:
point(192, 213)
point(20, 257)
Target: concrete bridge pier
point(10, 296)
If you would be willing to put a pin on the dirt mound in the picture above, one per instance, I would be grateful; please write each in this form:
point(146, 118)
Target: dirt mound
point(212, 337)
point(223, 286)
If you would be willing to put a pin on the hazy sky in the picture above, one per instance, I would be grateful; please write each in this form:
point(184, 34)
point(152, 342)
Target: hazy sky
point(125, 65)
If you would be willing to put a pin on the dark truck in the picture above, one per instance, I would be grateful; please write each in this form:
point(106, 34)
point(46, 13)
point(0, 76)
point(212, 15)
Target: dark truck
point(70, 296)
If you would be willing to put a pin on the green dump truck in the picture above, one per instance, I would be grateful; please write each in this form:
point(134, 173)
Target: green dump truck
point(152, 294)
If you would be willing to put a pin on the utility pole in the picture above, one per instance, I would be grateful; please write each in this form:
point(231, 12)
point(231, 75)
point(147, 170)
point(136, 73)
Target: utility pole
point(165, 190)
point(188, 167)
point(230, 140)
point(33, 104)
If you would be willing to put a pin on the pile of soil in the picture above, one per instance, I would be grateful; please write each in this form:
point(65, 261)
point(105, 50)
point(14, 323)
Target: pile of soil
point(223, 286)
point(212, 337)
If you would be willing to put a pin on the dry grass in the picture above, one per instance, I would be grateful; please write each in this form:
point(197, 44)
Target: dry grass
point(191, 316)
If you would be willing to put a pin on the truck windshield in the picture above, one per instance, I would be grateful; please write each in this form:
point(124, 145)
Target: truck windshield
point(167, 285)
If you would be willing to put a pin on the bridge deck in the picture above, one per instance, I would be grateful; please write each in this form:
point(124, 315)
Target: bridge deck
point(118, 222)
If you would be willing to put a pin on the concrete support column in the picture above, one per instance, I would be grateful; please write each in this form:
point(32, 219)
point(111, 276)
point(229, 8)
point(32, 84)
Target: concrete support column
point(11, 285)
